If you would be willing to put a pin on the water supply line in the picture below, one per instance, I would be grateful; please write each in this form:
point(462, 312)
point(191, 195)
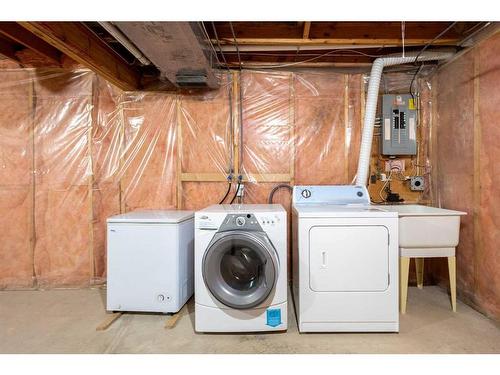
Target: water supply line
point(125, 42)
point(371, 103)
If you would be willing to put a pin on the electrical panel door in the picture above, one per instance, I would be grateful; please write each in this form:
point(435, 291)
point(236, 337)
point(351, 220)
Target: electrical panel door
point(399, 125)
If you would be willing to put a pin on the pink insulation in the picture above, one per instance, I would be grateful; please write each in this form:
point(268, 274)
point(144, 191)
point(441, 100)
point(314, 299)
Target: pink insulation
point(16, 190)
point(467, 155)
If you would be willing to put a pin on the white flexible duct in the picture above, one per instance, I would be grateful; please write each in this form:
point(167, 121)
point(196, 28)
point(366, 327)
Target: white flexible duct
point(124, 41)
point(371, 104)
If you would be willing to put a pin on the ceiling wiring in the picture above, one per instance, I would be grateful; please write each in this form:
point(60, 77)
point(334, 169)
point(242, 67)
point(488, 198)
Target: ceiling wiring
point(236, 44)
point(314, 58)
point(422, 51)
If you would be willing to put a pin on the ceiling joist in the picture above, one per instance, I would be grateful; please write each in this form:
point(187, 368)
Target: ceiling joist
point(332, 42)
point(17, 33)
point(78, 42)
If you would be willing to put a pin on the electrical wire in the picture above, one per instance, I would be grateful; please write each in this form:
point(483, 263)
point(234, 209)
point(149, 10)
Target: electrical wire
point(227, 193)
point(383, 186)
point(235, 43)
point(205, 32)
point(275, 189)
point(433, 40)
point(315, 58)
point(218, 45)
point(231, 115)
point(422, 51)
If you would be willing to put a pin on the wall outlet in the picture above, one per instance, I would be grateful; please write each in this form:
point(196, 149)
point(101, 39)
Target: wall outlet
point(396, 165)
point(241, 190)
point(417, 183)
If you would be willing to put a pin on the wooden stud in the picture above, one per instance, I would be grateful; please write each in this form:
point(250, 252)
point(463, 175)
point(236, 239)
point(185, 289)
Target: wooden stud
point(404, 267)
point(78, 42)
point(90, 184)
point(477, 228)
point(433, 143)
point(236, 114)
point(307, 28)
point(346, 128)
point(221, 177)
point(419, 267)
point(32, 108)
point(179, 152)
point(110, 319)
point(121, 196)
point(237, 121)
point(453, 282)
point(291, 126)
point(19, 34)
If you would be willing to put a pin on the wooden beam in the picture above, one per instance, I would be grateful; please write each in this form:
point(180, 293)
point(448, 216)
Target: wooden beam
point(8, 50)
point(19, 34)
point(222, 177)
point(335, 41)
point(110, 319)
point(307, 28)
point(256, 64)
point(78, 42)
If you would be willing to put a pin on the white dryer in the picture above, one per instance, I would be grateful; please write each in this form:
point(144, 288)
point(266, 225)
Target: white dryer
point(345, 261)
point(241, 268)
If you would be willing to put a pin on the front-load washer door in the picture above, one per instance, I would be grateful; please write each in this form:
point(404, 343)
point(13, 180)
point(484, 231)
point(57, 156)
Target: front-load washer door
point(349, 258)
point(240, 268)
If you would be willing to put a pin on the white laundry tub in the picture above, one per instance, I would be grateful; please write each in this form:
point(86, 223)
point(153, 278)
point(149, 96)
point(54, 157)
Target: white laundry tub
point(426, 227)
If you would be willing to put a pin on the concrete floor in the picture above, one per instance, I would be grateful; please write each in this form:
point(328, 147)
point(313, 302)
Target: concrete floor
point(64, 321)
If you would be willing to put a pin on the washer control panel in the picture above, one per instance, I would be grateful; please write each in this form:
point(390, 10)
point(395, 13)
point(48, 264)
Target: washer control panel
point(246, 221)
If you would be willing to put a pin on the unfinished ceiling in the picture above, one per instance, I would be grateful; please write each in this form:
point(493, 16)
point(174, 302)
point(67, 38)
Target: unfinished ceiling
point(189, 51)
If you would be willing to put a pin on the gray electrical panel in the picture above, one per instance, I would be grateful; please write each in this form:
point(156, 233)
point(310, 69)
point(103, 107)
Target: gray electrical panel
point(399, 125)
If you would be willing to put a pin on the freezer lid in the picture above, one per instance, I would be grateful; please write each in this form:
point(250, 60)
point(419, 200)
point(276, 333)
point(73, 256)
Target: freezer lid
point(152, 216)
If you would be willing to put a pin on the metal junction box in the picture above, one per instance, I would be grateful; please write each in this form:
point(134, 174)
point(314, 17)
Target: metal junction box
point(399, 125)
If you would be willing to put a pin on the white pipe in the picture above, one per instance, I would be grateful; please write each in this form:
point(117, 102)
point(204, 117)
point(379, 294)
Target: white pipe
point(124, 41)
point(371, 104)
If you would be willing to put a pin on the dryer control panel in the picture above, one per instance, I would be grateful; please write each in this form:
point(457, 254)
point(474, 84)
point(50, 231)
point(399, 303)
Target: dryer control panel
point(331, 194)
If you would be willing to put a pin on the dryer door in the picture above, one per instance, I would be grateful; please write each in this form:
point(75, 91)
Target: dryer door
point(240, 268)
point(349, 258)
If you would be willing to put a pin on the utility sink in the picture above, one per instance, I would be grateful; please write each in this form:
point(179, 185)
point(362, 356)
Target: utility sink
point(426, 227)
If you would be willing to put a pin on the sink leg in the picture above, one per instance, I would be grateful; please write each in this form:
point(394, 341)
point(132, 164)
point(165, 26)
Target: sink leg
point(453, 282)
point(404, 268)
point(419, 265)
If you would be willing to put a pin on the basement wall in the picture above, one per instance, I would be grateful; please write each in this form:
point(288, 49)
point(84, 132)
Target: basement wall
point(466, 153)
point(75, 150)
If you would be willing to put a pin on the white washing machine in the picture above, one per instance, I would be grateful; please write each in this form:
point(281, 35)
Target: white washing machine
point(241, 268)
point(345, 261)
point(150, 260)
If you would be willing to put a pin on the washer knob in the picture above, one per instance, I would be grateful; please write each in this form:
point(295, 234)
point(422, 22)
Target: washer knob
point(240, 221)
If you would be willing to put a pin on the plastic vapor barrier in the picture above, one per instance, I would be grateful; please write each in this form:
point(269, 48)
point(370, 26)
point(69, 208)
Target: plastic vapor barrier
point(75, 150)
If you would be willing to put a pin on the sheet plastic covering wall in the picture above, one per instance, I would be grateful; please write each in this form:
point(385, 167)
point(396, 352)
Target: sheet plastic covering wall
point(468, 103)
point(75, 150)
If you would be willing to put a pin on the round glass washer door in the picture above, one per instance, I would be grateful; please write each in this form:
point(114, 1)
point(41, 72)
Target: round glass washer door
point(240, 268)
